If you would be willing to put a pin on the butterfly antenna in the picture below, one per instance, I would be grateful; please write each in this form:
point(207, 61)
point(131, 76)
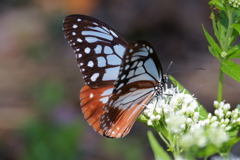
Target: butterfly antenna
point(168, 67)
point(188, 70)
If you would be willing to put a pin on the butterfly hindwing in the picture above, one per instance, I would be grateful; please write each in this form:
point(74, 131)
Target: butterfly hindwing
point(140, 73)
point(92, 102)
point(98, 48)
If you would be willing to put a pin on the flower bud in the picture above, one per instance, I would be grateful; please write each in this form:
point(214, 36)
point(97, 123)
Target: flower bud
point(226, 107)
point(214, 118)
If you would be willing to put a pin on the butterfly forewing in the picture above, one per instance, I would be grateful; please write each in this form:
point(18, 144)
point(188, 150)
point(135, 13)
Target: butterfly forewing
point(98, 48)
point(140, 73)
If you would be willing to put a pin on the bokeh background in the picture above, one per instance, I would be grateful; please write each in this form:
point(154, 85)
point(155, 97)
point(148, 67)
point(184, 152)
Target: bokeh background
point(40, 117)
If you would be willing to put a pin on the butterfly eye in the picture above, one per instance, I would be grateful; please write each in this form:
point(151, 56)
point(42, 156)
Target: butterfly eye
point(120, 77)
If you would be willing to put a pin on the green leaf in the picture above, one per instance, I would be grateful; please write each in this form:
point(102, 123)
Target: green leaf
point(219, 5)
point(233, 38)
point(234, 49)
point(234, 55)
point(232, 69)
point(213, 44)
point(203, 111)
point(234, 52)
point(237, 27)
point(214, 53)
point(214, 24)
point(159, 152)
point(236, 16)
point(222, 26)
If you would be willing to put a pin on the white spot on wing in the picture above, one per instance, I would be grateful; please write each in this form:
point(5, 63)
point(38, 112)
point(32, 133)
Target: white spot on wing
point(131, 73)
point(132, 89)
point(97, 34)
point(113, 60)
point(101, 61)
point(79, 20)
point(141, 77)
point(134, 58)
point(119, 49)
point(73, 33)
point(114, 34)
point(74, 26)
point(107, 50)
point(126, 67)
point(94, 77)
point(134, 64)
point(151, 50)
point(90, 64)
point(111, 74)
point(119, 91)
point(140, 64)
point(135, 95)
point(152, 69)
point(107, 92)
point(105, 28)
point(98, 49)
point(91, 39)
point(120, 85)
point(143, 52)
point(104, 100)
point(123, 77)
point(87, 50)
point(91, 95)
point(139, 70)
point(79, 40)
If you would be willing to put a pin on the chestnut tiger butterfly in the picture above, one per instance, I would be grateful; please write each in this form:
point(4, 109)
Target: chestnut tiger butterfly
point(120, 77)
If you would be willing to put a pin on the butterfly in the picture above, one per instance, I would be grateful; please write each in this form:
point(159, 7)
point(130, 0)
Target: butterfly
point(120, 77)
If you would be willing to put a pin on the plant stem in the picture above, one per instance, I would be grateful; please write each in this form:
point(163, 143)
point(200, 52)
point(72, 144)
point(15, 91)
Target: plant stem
point(220, 85)
point(226, 43)
point(166, 142)
point(229, 30)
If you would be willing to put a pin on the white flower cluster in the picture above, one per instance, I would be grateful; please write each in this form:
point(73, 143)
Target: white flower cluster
point(204, 136)
point(223, 117)
point(213, 130)
point(173, 108)
point(234, 3)
point(178, 113)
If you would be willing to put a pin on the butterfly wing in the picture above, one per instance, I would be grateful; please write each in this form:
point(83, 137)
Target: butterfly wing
point(92, 104)
point(139, 79)
point(99, 50)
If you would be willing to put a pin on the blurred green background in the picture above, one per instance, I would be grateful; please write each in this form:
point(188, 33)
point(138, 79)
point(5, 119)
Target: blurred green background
point(40, 117)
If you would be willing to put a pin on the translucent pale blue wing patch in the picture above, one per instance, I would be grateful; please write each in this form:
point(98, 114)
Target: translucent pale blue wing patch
point(99, 49)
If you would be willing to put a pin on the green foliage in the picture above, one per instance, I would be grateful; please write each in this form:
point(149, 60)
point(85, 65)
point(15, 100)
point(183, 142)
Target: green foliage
point(159, 152)
point(226, 29)
point(232, 69)
point(48, 136)
point(48, 141)
point(48, 94)
point(217, 133)
point(132, 150)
